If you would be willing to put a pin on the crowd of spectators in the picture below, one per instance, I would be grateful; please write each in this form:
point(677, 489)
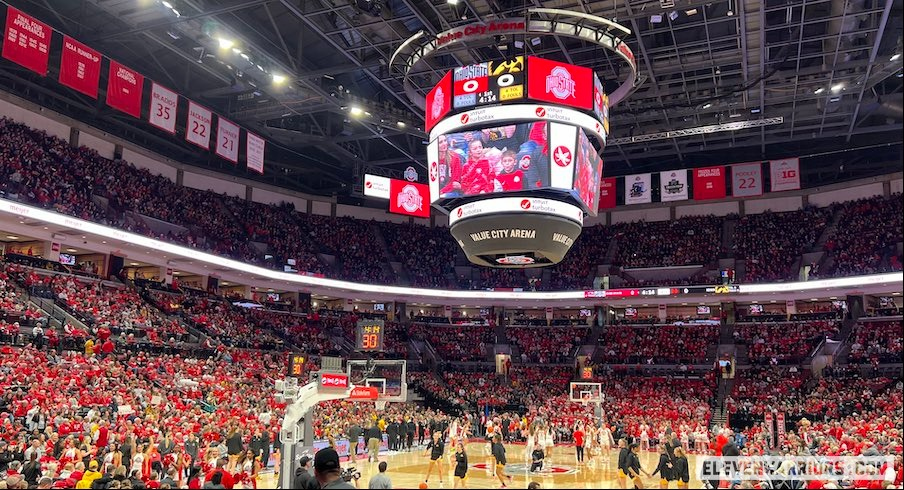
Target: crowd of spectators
point(877, 342)
point(546, 345)
point(691, 240)
point(428, 254)
point(771, 242)
point(462, 343)
point(668, 344)
point(783, 343)
point(867, 235)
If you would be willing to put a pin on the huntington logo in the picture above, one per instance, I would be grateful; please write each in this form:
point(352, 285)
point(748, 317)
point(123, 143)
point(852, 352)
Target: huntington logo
point(438, 103)
point(560, 83)
point(409, 199)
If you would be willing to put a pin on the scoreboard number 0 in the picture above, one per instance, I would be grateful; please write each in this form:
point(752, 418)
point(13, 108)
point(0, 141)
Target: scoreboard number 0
point(369, 336)
point(505, 80)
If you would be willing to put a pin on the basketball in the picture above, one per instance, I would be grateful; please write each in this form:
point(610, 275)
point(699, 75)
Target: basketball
point(423, 485)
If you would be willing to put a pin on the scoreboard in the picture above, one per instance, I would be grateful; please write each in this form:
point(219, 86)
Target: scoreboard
point(488, 83)
point(296, 364)
point(369, 337)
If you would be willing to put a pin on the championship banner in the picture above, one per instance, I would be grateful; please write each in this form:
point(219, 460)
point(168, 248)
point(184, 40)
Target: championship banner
point(709, 183)
point(80, 67)
point(124, 87)
point(780, 427)
point(198, 125)
point(673, 185)
point(438, 102)
point(254, 152)
point(26, 41)
point(747, 180)
point(227, 140)
point(607, 193)
point(767, 419)
point(559, 83)
point(409, 198)
point(163, 108)
point(785, 174)
point(637, 189)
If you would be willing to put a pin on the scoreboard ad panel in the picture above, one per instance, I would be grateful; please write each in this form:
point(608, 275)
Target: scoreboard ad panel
point(369, 336)
point(488, 83)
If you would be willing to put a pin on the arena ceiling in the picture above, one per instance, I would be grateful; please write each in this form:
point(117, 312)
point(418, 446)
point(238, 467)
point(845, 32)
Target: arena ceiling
point(292, 69)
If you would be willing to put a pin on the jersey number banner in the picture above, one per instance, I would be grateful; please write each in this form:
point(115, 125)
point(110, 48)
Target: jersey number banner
point(785, 174)
point(228, 140)
point(198, 126)
point(709, 183)
point(26, 41)
point(124, 87)
point(254, 153)
point(79, 67)
point(163, 108)
point(747, 180)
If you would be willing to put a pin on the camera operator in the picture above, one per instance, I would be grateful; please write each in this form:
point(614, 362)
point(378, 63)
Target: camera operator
point(327, 470)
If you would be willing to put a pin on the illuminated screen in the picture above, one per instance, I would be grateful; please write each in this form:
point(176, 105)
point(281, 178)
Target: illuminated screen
point(755, 309)
point(491, 160)
point(67, 259)
point(703, 310)
point(589, 170)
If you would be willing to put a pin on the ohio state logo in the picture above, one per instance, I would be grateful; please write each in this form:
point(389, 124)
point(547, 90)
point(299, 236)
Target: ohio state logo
point(540, 112)
point(409, 199)
point(525, 204)
point(434, 171)
point(436, 107)
point(559, 83)
point(465, 118)
point(562, 156)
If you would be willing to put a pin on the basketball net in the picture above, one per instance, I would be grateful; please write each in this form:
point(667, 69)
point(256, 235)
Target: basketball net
point(380, 405)
point(585, 399)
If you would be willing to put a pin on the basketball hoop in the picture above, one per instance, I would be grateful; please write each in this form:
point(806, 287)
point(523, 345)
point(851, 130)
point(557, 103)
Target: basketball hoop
point(585, 399)
point(380, 405)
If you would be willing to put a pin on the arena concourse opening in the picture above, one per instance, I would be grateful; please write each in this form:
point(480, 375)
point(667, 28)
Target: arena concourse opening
point(451, 244)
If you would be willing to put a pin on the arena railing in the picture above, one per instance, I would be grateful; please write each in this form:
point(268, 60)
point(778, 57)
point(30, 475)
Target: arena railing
point(356, 289)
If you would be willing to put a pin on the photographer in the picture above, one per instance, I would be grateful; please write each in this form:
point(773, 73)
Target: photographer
point(327, 470)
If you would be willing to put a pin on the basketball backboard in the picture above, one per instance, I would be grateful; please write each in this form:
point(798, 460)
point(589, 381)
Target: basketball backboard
point(585, 393)
point(388, 376)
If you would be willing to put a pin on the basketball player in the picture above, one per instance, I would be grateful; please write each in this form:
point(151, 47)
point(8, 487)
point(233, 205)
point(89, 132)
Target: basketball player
point(632, 465)
point(536, 463)
point(681, 470)
point(500, 461)
point(644, 437)
point(605, 438)
point(622, 474)
point(436, 448)
point(461, 465)
point(664, 468)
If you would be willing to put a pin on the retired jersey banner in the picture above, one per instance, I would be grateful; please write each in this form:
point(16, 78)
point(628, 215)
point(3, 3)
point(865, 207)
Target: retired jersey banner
point(747, 180)
point(163, 108)
point(637, 189)
point(227, 140)
point(80, 67)
point(607, 193)
point(785, 174)
point(709, 183)
point(673, 185)
point(124, 87)
point(254, 152)
point(198, 126)
point(409, 198)
point(26, 41)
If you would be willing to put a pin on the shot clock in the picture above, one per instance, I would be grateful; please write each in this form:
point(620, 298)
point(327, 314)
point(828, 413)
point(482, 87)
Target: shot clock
point(296, 364)
point(370, 336)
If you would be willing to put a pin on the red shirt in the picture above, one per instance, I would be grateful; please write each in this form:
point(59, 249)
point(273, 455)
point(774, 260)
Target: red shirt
point(578, 438)
point(511, 181)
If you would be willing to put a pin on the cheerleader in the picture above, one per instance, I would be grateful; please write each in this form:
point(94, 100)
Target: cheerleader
point(644, 437)
point(550, 441)
point(138, 460)
point(685, 443)
point(248, 465)
point(531, 439)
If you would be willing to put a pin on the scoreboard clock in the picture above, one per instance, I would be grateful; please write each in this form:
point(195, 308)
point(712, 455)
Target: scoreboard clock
point(296, 364)
point(488, 83)
point(369, 336)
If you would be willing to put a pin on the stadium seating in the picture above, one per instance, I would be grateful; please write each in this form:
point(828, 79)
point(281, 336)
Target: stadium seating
point(770, 242)
point(783, 343)
point(669, 344)
point(546, 345)
point(867, 234)
point(877, 342)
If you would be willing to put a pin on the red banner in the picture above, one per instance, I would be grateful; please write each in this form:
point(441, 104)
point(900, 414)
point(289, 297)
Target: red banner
point(607, 193)
point(254, 152)
point(409, 198)
point(124, 87)
point(80, 67)
point(709, 183)
point(559, 83)
point(26, 41)
point(439, 102)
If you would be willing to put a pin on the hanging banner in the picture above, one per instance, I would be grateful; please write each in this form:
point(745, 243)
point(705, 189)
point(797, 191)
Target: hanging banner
point(785, 174)
point(637, 189)
point(709, 183)
point(767, 419)
point(559, 83)
point(163, 108)
point(80, 67)
point(673, 185)
point(198, 125)
point(409, 198)
point(607, 193)
point(227, 140)
point(747, 180)
point(124, 87)
point(254, 152)
point(439, 102)
point(780, 428)
point(26, 41)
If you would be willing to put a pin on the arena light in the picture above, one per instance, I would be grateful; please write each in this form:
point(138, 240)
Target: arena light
point(819, 90)
point(356, 111)
point(225, 43)
point(895, 57)
point(838, 87)
point(278, 79)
